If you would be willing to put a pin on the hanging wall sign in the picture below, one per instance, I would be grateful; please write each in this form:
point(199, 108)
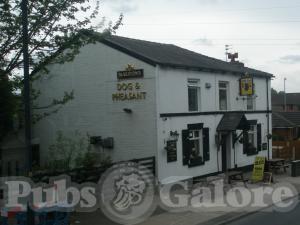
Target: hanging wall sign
point(130, 72)
point(246, 86)
point(171, 151)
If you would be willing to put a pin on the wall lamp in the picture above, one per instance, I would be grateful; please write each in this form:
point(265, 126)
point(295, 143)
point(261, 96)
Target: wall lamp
point(127, 110)
point(174, 134)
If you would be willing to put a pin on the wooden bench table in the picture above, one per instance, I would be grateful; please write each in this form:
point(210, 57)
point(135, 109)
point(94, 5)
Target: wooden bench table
point(277, 164)
point(236, 176)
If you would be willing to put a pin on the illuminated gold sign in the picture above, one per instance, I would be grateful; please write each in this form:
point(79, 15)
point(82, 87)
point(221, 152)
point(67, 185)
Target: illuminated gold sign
point(129, 91)
point(246, 86)
point(130, 72)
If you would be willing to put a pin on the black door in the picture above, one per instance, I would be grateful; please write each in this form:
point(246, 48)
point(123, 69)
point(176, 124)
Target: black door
point(224, 153)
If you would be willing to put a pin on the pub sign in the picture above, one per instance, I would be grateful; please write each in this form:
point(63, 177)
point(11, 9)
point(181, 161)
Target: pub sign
point(246, 86)
point(130, 72)
point(171, 151)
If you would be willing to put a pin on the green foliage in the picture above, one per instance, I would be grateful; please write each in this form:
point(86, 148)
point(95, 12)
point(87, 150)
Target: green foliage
point(63, 153)
point(273, 91)
point(53, 27)
point(73, 152)
point(8, 103)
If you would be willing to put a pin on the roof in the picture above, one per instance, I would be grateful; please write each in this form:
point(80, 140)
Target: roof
point(173, 56)
point(286, 119)
point(233, 121)
point(291, 99)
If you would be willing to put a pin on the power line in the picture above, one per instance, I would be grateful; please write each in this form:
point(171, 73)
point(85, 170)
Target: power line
point(231, 39)
point(224, 11)
point(212, 23)
point(247, 44)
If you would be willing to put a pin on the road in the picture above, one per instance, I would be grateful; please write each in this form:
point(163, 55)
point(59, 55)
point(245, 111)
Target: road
point(271, 218)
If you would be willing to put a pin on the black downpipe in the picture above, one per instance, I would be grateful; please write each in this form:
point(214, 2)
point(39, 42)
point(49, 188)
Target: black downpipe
point(268, 118)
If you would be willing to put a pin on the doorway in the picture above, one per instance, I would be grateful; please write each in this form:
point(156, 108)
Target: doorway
point(224, 152)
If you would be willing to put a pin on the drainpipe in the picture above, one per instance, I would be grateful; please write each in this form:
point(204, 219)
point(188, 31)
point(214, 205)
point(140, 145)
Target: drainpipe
point(268, 118)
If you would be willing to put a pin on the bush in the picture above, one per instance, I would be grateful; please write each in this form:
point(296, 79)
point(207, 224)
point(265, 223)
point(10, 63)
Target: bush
point(69, 153)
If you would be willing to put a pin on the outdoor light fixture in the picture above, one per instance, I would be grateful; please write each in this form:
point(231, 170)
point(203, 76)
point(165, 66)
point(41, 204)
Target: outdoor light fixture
point(96, 140)
point(174, 134)
point(127, 110)
point(208, 85)
point(108, 143)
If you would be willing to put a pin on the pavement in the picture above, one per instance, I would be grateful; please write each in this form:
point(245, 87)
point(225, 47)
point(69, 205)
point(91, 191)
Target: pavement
point(270, 218)
point(214, 216)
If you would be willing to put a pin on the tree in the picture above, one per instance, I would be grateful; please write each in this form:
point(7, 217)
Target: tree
point(53, 27)
point(273, 91)
point(8, 105)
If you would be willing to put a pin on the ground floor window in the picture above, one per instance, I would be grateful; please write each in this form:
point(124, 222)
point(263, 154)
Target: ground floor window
point(252, 139)
point(196, 153)
point(252, 134)
point(195, 145)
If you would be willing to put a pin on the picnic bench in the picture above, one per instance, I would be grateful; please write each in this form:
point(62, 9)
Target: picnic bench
point(236, 176)
point(278, 164)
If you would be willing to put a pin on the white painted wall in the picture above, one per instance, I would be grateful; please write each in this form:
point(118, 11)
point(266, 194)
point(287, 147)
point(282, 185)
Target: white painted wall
point(173, 92)
point(93, 77)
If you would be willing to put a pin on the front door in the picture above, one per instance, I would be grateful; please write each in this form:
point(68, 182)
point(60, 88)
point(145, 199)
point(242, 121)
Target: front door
point(224, 152)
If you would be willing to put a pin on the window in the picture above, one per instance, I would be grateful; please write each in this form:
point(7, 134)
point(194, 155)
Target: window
point(223, 95)
point(193, 95)
point(195, 137)
point(195, 145)
point(252, 137)
point(250, 103)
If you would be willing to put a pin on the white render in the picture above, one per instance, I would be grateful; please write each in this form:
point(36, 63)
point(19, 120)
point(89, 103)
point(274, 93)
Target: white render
point(93, 77)
point(173, 98)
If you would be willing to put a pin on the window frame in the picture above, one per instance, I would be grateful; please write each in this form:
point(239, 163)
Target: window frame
point(194, 84)
point(253, 100)
point(198, 138)
point(227, 95)
point(188, 136)
point(252, 132)
point(253, 103)
point(252, 141)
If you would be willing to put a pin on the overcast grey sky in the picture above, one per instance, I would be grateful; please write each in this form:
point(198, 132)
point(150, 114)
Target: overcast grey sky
point(265, 32)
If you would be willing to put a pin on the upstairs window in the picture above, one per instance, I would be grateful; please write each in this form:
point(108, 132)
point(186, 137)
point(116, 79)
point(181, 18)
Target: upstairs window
point(223, 95)
point(194, 95)
point(251, 100)
point(250, 103)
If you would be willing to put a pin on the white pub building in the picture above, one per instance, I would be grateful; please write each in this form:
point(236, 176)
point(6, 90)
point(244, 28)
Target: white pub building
point(195, 114)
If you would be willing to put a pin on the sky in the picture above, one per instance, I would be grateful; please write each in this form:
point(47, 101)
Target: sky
point(265, 33)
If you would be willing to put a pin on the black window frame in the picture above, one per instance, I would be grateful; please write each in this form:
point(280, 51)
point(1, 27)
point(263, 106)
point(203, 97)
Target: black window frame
point(187, 146)
point(247, 148)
